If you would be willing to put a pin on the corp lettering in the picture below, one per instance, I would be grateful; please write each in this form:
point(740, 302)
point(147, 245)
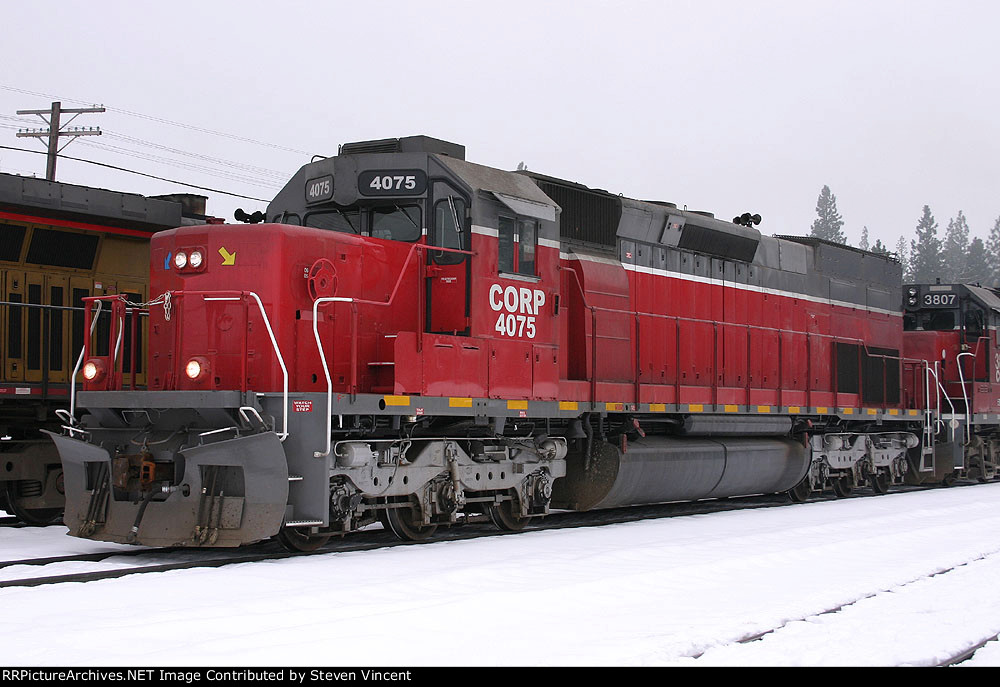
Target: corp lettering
point(518, 307)
point(516, 300)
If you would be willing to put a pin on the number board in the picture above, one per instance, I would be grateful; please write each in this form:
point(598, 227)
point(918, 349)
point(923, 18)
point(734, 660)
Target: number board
point(319, 189)
point(940, 300)
point(392, 182)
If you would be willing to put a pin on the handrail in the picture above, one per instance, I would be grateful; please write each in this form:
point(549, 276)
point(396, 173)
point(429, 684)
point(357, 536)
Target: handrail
point(79, 360)
point(326, 371)
point(354, 311)
point(965, 396)
point(941, 392)
point(240, 295)
point(208, 295)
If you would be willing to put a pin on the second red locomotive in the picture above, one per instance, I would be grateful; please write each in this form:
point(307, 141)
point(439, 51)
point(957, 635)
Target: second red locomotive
point(412, 337)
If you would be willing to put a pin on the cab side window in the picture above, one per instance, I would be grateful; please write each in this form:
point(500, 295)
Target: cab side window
point(516, 246)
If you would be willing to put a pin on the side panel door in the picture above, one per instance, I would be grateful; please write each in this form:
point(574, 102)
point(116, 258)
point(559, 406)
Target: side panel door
point(14, 326)
point(35, 286)
point(448, 272)
point(135, 328)
point(56, 329)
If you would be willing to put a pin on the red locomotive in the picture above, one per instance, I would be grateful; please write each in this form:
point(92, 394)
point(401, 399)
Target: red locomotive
point(414, 338)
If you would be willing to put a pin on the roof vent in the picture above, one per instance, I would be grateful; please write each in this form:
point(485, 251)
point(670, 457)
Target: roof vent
point(408, 144)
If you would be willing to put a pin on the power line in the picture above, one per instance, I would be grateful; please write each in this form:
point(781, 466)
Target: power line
point(161, 120)
point(258, 174)
point(263, 171)
point(255, 181)
point(143, 174)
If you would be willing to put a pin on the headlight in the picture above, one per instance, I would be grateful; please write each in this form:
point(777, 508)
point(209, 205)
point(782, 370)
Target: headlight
point(195, 368)
point(93, 370)
point(912, 291)
point(912, 300)
point(195, 259)
point(180, 260)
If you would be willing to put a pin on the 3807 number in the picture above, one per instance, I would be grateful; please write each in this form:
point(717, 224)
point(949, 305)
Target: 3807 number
point(939, 299)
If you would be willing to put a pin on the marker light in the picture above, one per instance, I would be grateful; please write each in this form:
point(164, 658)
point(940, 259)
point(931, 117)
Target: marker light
point(93, 370)
point(195, 259)
point(180, 260)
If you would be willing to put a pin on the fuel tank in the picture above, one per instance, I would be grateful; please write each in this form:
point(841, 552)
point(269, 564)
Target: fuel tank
point(662, 469)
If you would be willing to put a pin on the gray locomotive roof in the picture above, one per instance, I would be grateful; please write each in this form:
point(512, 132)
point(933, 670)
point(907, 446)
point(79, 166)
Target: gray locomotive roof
point(49, 198)
point(482, 178)
point(987, 296)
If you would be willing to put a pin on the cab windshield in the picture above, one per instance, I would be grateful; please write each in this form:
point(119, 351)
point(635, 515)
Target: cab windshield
point(393, 222)
point(935, 321)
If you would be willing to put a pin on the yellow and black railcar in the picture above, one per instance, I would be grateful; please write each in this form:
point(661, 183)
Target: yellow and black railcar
point(60, 243)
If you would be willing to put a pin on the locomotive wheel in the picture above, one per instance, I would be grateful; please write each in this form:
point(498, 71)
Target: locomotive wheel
point(948, 480)
point(295, 540)
point(402, 523)
point(30, 516)
point(507, 516)
point(842, 487)
point(801, 491)
point(880, 482)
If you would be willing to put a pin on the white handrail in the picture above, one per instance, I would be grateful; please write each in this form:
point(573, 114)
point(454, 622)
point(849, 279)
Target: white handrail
point(965, 396)
point(942, 392)
point(326, 370)
point(79, 362)
point(281, 361)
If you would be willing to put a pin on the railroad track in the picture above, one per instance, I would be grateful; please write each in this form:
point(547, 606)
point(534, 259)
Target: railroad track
point(954, 659)
point(475, 528)
point(363, 541)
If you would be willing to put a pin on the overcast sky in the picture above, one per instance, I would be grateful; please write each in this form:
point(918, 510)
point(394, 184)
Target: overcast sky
point(724, 106)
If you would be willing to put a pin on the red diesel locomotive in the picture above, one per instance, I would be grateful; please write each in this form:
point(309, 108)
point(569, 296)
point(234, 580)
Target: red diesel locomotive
point(413, 338)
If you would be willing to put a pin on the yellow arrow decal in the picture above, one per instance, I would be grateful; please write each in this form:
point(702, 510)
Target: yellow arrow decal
point(227, 257)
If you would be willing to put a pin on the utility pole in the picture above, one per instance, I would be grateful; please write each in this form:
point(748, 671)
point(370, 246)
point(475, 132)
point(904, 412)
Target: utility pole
point(56, 130)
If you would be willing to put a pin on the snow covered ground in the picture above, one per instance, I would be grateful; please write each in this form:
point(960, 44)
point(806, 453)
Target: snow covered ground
point(903, 579)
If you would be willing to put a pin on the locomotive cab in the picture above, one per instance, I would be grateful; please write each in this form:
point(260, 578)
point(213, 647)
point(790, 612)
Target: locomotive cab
point(319, 370)
point(954, 326)
point(475, 310)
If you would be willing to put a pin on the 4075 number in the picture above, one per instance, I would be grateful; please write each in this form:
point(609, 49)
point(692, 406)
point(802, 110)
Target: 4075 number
point(319, 189)
point(392, 182)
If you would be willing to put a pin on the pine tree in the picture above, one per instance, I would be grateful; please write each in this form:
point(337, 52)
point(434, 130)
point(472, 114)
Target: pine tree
point(864, 245)
point(955, 250)
point(829, 224)
point(993, 255)
point(925, 253)
point(904, 259)
point(879, 248)
point(977, 267)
